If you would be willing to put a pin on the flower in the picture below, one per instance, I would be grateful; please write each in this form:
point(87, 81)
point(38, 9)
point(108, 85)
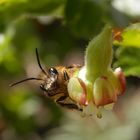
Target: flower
point(77, 90)
point(96, 84)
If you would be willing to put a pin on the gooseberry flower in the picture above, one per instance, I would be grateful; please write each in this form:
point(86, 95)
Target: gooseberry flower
point(96, 84)
point(77, 90)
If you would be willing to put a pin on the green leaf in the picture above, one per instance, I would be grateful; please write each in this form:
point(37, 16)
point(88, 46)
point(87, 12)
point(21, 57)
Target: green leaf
point(128, 54)
point(129, 60)
point(84, 17)
point(131, 36)
point(11, 9)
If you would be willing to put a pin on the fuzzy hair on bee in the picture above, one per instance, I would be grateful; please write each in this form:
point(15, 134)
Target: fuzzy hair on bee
point(53, 82)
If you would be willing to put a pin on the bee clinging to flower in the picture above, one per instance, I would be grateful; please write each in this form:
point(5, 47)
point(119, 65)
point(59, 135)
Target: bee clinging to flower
point(53, 81)
point(94, 85)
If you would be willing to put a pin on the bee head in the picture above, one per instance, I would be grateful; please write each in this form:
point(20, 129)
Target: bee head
point(50, 80)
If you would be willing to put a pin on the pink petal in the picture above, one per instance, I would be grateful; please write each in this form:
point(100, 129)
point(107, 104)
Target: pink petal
point(119, 73)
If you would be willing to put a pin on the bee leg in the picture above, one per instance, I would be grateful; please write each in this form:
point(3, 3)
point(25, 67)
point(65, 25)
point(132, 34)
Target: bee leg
point(66, 76)
point(65, 101)
point(62, 98)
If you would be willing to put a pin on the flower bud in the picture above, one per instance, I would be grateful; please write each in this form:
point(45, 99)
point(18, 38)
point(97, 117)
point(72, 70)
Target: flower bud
point(77, 91)
point(119, 74)
point(103, 92)
point(96, 86)
point(113, 79)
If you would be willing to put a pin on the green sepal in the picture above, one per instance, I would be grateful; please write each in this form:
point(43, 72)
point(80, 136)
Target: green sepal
point(99, 54)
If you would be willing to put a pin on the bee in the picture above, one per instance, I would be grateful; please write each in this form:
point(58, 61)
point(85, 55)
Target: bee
point(53, 81)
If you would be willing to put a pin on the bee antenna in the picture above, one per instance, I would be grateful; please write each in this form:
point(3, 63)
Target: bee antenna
point(39, 64)
point(24, 80)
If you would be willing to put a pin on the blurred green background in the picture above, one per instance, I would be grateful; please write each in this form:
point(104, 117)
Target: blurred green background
point(61, 29)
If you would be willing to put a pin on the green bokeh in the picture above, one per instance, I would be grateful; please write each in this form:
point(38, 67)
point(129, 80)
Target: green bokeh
point(61, 30)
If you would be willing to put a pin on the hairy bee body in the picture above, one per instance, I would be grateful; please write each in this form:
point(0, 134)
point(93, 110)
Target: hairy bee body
point(55, 82)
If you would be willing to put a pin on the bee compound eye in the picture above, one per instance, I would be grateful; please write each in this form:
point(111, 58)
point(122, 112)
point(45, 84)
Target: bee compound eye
point(53, 71)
